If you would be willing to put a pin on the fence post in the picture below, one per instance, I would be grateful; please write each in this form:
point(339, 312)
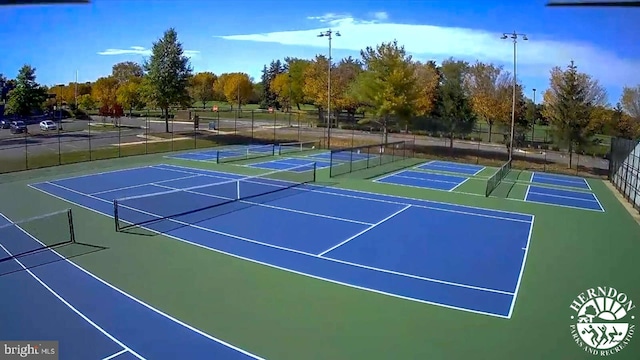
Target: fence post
point(119, 138)
point(275, 116)
point(252, 125)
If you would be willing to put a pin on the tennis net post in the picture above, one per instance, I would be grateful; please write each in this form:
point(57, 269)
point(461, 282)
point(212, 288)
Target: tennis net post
point(48, 231)
point(171, 204)
point(497, 177)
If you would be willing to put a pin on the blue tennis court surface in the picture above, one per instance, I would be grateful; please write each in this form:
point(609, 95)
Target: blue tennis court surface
point(45, 296)
point(453, 167)
point(423, 180)
point(288, 163)
point(237, 151)
point(562, 197)
point(343, 156)
point(560, 180)
point(454, 256)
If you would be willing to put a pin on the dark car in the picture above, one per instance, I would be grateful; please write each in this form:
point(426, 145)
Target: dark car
point(18, 127)
point(5, 124)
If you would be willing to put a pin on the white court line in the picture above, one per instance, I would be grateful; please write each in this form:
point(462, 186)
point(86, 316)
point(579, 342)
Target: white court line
point(291, 250)
point(389, 175)
point(564, 206)
point(454, 167)
point(553, 177)
point(268, 265)
point(101, 173)
point(141, 185)
point(524, 260)
point(526, 194)
point(115, 355)
point(386, 201)
point(157, 311)
point(412, 186)
point(212, 173)
point(63, 300)
point(364, 231)
point(460, 184)
point(271, 206)
point(562, 197)
point(426, 179)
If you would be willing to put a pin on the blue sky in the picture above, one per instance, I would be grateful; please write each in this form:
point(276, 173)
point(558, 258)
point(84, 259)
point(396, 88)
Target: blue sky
point(243, 35)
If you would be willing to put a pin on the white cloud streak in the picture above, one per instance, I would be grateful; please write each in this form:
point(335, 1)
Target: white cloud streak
point(428, 42)
point(139, 50)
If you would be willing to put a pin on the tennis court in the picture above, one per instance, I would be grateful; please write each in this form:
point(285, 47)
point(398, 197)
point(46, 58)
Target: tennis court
point(51, 297)
point(424, 180)
point(233, 153)
point(560, 180)
point(454, 256)
point(562, 197)
point(447, 166)
point(287, 163)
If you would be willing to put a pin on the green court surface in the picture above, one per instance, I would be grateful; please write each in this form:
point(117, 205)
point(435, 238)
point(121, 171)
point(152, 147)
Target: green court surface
point(282, 315)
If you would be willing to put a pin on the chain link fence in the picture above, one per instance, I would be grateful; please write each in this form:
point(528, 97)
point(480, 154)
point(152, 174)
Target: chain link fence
point(146, 133)
point(624, 169)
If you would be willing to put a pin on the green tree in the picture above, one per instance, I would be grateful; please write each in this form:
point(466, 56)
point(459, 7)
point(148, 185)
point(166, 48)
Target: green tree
point(569, 102)
point(269, 98)
point(296, 68)
point(168, 72)
point(630, 101)
point(124, 71)
point(129, 94)
point(28, 95)
point(86, 102)
point(388, 86)
point(454, 105)
point(201, 87)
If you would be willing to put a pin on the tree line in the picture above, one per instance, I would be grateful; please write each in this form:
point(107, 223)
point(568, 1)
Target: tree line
point(385, 83)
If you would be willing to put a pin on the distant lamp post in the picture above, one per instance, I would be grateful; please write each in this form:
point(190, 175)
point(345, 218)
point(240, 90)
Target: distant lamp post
point(514, 36)
point(535, 118)
point(329, 33)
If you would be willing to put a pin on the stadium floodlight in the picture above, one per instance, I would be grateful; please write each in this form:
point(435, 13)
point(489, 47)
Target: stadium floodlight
point(514, 35)
point(329, 33)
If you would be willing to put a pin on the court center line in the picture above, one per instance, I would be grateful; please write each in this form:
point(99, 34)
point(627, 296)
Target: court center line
point(141, 185)
point(65, 302)
point(427, 179)
point(562, 196)
point(115, 355)
point(124, 293)
point(288, 249)
point(271, 206)
point(365, 230)
point(398, 202)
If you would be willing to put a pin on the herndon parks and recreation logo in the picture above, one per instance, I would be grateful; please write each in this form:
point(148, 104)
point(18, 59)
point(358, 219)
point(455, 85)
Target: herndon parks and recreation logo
point(602, 324)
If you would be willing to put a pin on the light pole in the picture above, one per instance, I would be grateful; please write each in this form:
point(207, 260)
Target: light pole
point(514, 36)
point(329, 33)
point(535, 117)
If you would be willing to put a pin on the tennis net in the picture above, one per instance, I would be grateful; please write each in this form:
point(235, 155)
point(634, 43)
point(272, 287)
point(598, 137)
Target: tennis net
point(37, 233)
point(348, 160)
point(293, 147)
point(249, 152)
point(496, 179)
point(198, 203)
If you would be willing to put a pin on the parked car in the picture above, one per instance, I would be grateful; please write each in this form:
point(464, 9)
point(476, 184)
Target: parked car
point(5, 124)
point(18, 127)
point(48, 125)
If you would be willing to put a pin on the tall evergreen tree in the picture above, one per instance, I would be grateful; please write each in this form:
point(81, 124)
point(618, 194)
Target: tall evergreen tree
point(269, 97)
point(569, 112)
point(168, 73)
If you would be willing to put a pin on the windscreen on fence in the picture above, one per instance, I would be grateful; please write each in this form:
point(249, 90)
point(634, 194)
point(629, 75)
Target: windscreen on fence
point(624, 169)
point(344, 161)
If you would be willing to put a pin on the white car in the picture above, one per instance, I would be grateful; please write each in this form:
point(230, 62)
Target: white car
point(48, 125)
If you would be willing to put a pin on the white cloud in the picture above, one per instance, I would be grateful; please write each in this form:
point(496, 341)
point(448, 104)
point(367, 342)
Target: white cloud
point(430, 42)
point(380, 15)
point(139, 50)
